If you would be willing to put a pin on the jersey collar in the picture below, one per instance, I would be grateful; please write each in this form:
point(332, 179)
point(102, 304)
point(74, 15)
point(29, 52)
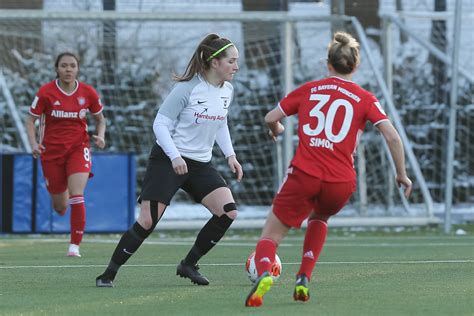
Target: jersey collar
point(64, 92)
point(339, 78)
point(208, 83)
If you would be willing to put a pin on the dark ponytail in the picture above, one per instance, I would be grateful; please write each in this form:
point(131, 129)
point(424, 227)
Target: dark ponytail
point(201, 60)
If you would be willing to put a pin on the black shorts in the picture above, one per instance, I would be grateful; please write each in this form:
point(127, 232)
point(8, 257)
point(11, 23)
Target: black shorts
point(161, 182)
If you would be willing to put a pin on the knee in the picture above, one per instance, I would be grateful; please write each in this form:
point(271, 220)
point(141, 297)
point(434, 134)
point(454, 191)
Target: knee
point(230, 209)
point(149, 215)
point(60, 207)
point(144, 218)
point(145, 222)
point(232, 214)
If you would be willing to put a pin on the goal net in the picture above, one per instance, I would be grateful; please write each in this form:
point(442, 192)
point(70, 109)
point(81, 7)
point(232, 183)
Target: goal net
point(130, 60)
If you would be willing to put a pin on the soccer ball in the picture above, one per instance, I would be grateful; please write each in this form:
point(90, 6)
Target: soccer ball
point(251, 268)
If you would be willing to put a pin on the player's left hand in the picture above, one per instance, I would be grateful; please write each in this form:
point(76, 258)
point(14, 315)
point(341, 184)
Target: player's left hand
point(235, 167)
point(99, 141)
point(403, 180)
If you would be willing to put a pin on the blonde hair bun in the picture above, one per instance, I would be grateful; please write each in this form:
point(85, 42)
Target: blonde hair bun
point(345, 39)
point(343, 53)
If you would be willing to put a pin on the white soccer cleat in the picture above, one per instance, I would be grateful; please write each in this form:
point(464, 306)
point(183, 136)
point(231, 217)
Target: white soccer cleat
point(73, 251)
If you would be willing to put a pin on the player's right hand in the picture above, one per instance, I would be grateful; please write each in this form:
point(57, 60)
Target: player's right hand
point(277, 130)
point(274, 138)
point(37, 150)
point(179, 166)
point(406, 183)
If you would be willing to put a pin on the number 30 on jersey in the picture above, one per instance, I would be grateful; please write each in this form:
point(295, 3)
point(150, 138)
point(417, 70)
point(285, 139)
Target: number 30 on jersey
point(325, 122)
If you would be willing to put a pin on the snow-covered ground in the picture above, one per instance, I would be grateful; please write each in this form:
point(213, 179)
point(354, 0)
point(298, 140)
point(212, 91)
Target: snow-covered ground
point(197, 213)
point(167, 46)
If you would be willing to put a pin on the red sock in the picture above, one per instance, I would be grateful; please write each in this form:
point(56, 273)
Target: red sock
point(265, 255)
point(313, 244)
point(78, 218)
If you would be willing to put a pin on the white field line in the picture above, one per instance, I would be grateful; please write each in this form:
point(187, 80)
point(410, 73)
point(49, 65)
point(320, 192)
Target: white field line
point(187, 242)
point(354, 238)
point(237, 264)
point(237, 237)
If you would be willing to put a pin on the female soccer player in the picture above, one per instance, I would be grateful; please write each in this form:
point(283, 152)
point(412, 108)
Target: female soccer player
point(63, 146)
point(192, 117)
point(332, 114)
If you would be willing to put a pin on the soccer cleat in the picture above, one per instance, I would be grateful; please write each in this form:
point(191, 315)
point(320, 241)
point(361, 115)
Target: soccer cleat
point(103, 281)
point(301, 292)
point(262, 285)
point(73, 251)
point(191, 272)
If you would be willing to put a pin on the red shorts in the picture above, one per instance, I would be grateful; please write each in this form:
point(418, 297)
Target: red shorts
point(56, 172)
point(300, 194)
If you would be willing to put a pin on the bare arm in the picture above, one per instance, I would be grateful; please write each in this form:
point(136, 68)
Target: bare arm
point(398, 154)
point(36, 148)
point(273, 122)
point(100, 125)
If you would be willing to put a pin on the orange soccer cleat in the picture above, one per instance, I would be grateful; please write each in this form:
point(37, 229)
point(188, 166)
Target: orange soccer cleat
point(261, 287)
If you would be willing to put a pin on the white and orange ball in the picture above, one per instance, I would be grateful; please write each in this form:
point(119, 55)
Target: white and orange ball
point(251, 268)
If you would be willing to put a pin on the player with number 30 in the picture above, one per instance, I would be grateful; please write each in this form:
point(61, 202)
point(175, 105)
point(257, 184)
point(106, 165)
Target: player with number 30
point(332, 114)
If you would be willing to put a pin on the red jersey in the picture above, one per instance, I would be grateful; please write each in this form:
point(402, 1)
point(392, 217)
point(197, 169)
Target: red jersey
point(331, 117)
point(64, 116)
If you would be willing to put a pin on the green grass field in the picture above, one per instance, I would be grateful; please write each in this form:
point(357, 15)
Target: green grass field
point(372, 274)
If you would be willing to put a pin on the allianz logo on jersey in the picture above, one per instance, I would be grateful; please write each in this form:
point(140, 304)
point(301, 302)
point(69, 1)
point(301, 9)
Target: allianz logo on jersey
point(63, 114)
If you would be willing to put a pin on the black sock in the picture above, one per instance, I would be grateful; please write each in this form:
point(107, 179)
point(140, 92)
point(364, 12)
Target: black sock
point(208, 237)
point(128, 244)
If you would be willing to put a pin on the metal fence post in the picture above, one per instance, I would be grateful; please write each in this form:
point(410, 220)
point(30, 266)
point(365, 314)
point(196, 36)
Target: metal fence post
point(388, 76)
point(448, 197)
point(288, 85)
point(15, 113)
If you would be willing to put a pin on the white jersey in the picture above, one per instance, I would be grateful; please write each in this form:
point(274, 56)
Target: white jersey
point(198, 110)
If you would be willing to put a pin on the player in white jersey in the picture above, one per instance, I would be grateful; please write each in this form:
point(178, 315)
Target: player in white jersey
point(191, 119)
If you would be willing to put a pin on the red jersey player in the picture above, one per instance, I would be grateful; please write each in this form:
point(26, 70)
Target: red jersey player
point(332, 114)
point(63, 144)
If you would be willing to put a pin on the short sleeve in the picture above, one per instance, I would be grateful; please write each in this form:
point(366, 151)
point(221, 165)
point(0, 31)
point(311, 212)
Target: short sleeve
point(95, 104)
point(177, 99)
point(375, 112)
point(291, 103)
point(38, 106)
